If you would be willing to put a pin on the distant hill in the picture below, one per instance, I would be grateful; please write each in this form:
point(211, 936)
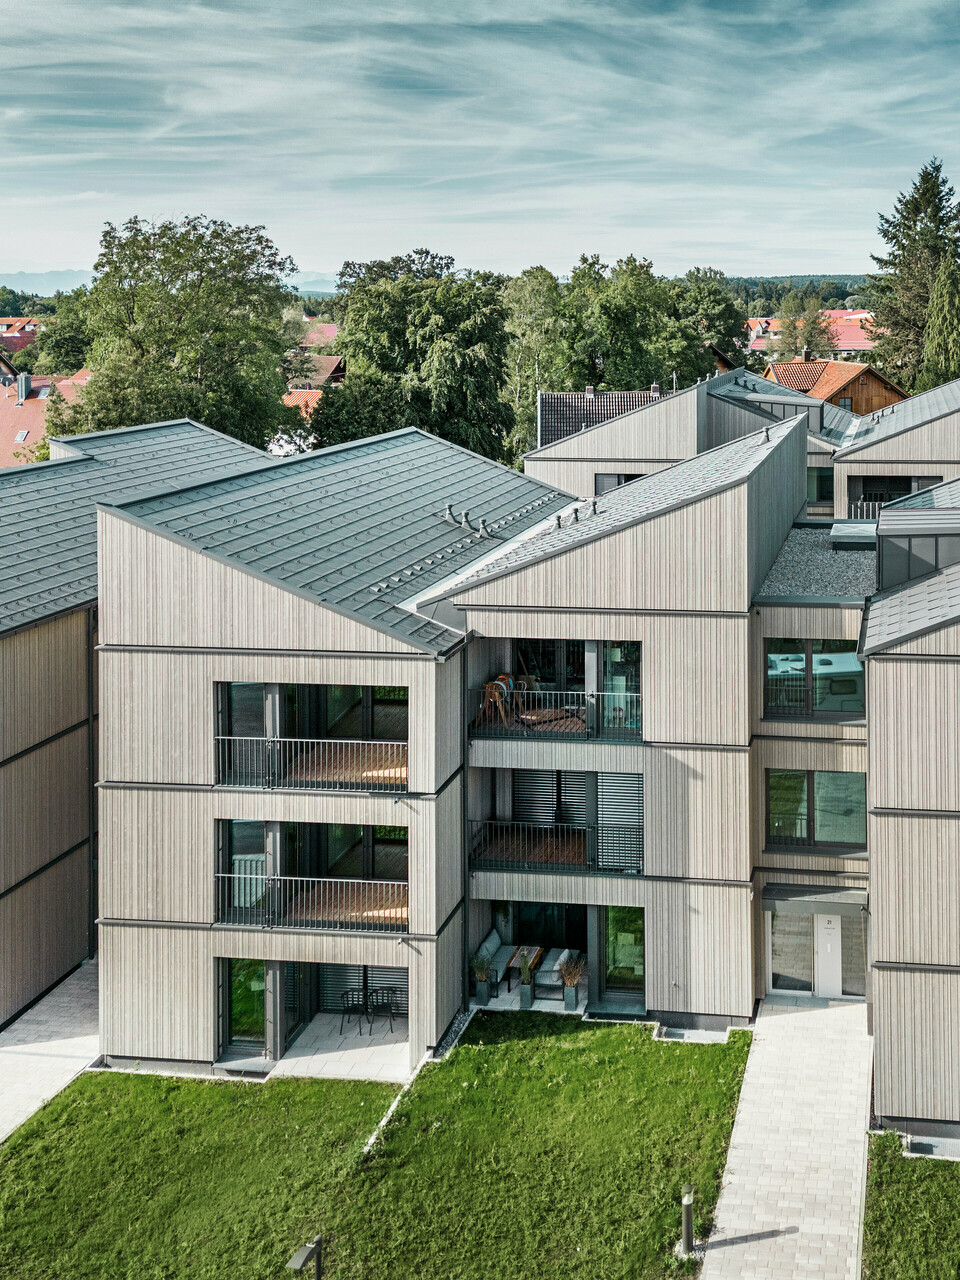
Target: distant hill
point(44, 283)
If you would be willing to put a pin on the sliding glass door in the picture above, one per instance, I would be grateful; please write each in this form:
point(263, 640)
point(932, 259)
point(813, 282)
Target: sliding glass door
point(246, 988)
point(624, 958)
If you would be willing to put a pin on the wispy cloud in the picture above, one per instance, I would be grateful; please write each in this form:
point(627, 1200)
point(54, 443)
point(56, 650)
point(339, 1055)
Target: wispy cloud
point(751, 137)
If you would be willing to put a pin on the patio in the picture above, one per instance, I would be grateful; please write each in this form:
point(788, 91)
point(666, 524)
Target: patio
point(509, 1001)
point(321, 1052)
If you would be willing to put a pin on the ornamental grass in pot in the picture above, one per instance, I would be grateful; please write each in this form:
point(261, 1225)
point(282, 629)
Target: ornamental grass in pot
point(481, 973)
point(526, 982)
point(571, 971)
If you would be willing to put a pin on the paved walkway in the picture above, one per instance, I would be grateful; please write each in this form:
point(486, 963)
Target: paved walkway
point(322, 1052)
point(791, 1205)
point(43, 1050)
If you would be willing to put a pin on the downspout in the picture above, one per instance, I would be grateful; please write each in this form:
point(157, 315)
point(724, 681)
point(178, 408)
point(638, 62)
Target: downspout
point(92, 866)
point(464, 828)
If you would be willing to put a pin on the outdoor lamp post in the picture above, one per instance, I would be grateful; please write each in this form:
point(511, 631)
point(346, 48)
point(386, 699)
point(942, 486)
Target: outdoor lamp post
point(309, 1253)
point(686, 1244)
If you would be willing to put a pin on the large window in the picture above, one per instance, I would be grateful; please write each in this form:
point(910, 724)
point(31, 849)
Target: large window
point(624, 949)
point(820, 484)
point(551, 664)
point(903, 559)
point(246, 985)
point(807, 678)
point(807, 807)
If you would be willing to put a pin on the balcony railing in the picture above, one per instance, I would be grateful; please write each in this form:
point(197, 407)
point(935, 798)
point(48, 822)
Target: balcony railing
point(528, 713)
point(864, 510)
point(293, 902)
point(561, 848)
point(304, 764)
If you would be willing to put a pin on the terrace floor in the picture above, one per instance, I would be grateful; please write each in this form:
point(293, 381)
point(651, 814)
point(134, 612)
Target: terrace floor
point(322, 1053)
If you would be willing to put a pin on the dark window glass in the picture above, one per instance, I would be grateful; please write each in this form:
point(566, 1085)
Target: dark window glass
point(923, 556)
point(246, 848)
point(551, 664)
point(838, 686)
point(791, 952)
point(786, 677)
point(840, 808)
point(845, 402)
point(625, 956)
point(787, 806)
point(603, 481)
point(345, 851)
point(816, 808)
point(245, 711)
point(245, 992)
point(894, 560)
point(948, 551)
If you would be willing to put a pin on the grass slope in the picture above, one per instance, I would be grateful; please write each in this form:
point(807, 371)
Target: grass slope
point(144, 1178)
point(543, 1147)
point(911, 1228)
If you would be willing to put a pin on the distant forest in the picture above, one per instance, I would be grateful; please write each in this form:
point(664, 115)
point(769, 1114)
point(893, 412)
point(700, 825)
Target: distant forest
point(763, 295)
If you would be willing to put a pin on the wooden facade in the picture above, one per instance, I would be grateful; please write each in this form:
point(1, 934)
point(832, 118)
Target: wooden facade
point(47, 808)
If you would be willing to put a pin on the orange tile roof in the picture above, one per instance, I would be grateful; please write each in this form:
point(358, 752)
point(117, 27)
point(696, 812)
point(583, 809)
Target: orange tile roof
point(320, 335)
point(305, 399)
point(821, 379)
point(30, 416)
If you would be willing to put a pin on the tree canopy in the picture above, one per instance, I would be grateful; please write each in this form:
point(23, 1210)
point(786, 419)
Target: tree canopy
point(922, 232)
point(802, 327)
point(187, 319)
point(941, 341)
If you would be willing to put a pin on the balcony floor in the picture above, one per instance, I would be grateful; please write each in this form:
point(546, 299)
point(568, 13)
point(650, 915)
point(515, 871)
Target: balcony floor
point(321, 1052)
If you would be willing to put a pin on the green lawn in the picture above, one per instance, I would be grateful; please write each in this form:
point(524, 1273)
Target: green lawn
point(127, 1177)
point(912, 1221)
point(542, 1147)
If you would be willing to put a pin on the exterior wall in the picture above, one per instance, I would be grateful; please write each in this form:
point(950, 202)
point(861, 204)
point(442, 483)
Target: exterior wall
point(868, 392)
point(916, 1036)
point(47, 712)
point(578, 478)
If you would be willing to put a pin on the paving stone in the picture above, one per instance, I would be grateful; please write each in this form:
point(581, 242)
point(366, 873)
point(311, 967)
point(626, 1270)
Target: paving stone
point(797, 1159)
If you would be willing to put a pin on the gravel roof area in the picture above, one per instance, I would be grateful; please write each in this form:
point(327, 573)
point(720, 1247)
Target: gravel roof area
point(808, 567)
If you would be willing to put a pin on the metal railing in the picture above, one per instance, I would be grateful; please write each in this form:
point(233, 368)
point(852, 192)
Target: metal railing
point(307, 764)
point(789, 829)
point(526, 846)
point(787, 695)
point(535, 713)
point(296, 902)
point(863, 510)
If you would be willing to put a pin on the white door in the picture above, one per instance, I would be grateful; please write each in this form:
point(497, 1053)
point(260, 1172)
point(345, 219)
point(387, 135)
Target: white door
point(828, 967)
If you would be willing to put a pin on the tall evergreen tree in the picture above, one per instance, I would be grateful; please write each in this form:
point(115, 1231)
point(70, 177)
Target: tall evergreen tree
point(922, 231)
point(941, 343)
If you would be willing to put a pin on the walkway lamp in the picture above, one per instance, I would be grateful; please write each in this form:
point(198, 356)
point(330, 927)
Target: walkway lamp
point(309, 1253)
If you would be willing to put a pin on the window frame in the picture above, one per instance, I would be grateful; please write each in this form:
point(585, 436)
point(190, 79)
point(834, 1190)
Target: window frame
point(810, 840)
point(809, 712)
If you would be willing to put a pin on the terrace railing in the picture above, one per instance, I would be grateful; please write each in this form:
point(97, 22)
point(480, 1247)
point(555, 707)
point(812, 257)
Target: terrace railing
point(497, 712)
point(296, 902)
point(307, 764)
point(863, 510)
point(562, 848)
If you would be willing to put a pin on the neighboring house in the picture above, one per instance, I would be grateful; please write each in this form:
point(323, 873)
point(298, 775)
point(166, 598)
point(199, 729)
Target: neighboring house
point(48, 691)
point(17, 332)
point(23, 409)
point(859, 388)
point(305, 399)
point(850, 330)
point(564, 413)
point(318, 335)
point(325, 369)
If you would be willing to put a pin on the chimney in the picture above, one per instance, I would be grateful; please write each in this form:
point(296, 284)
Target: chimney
point(806, 354)
point(590, 392)
point(655, 390)
point(23, 387)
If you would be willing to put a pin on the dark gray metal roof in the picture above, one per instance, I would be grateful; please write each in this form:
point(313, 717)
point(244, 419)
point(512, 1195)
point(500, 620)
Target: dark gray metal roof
point(739, 384)
point(914, 412)
point(360, 528)
point(676, 486)
point(565, 413)
point(837, 422)
point(48, 517)
point(945, 495)
point(913, 609)
point(808, 568)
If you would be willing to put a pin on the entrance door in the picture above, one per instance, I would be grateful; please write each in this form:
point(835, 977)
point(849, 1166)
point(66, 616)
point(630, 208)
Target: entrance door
point(829, 956)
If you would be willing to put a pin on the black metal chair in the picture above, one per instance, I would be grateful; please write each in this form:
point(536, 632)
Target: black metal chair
point(352, 1002)
point(380, 1003)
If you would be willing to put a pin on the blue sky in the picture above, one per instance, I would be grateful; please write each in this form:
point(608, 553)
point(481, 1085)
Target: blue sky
point(756, 137)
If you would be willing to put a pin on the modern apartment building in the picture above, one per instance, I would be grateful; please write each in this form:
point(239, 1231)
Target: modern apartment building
point(363, 706)
point(48, 684)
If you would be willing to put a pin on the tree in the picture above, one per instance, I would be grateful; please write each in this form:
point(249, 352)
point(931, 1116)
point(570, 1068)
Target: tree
point(802, 326)
point(532, 302)
point(63, 345)
point(922, 231)
point(187, 320)
point(434, 347)
point(421, 264)
point(704, 301)
point(941, 344)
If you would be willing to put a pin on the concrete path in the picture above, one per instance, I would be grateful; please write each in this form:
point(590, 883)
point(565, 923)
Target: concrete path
point(44, 1049)
point(791, 1204)
point(322, 1052)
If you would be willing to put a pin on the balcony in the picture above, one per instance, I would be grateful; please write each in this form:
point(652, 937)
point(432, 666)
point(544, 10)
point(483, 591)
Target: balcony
point(306, 764)
point(292, 902)
point(560, 849)
point(526, 713)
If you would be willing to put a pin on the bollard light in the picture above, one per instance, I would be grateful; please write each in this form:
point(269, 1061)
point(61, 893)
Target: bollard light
point(309, 1253)
point(686, 1201)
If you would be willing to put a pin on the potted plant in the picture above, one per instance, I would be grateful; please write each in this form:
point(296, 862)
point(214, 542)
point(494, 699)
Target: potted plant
point(481, 971)
point(526, 982)
point(571, 971)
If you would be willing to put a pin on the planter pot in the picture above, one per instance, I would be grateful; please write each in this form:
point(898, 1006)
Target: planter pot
point(483, 993)
point(526, 995)
point(570, 995)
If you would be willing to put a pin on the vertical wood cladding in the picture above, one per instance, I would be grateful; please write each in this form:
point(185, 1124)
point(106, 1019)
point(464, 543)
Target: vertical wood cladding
point(43, 682)
point(914, 734)
point(917, 1044)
